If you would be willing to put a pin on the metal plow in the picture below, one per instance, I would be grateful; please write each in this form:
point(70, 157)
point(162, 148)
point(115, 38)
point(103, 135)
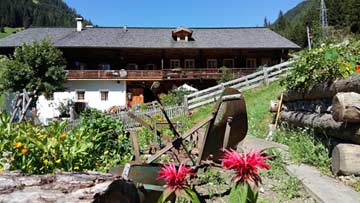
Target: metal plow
point(226, 128)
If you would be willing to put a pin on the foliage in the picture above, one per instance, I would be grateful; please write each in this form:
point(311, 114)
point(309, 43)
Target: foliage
point(290, 188)
point(173, 97)
point(257, 103)
point(8, 31)
point(64, 108)
point(26, 13)
point(342, 15)
point(323, 64)
point(226, 75)
point(304, 148)
point(211, 176)
point(96, 144)
point(38, 66)
point(243, 193)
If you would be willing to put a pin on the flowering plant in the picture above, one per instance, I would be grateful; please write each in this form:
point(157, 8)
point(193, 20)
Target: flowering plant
point(246, 176)
point(175, 183)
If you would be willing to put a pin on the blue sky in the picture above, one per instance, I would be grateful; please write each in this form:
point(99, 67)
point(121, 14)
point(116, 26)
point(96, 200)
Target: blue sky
point(191, 13)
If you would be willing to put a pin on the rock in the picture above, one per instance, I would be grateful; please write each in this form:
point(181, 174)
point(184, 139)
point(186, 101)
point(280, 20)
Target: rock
point(16, 187)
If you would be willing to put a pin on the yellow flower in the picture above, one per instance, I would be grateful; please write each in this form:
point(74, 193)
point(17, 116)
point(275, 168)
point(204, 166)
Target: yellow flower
point(63, 135)
point(58, 161)
point(18, 145)
point(24, 151)
point(347, 67)
point(46, 162)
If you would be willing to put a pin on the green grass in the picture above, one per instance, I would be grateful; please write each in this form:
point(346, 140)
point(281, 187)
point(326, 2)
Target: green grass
point(304, 147)
point(8, 31)
point(257, 106)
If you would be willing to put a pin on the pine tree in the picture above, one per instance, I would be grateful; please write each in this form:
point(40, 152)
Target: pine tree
point(266, 22)
point(281, 22)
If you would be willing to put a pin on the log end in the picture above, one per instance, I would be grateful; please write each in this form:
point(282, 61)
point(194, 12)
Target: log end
point(345, 159)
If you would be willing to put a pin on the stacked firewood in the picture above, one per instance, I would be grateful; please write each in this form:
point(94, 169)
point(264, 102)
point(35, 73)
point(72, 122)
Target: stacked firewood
point(332, 109)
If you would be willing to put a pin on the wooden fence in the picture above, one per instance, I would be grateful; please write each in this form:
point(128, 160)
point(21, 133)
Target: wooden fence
point(128, 123)
point(209, 95)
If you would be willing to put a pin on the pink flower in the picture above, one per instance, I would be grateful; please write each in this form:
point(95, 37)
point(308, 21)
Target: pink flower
point(245, 166)
point(175, 180)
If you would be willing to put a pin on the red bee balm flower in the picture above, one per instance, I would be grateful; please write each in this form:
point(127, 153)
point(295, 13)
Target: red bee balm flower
point(174, 179)
point(245, 165)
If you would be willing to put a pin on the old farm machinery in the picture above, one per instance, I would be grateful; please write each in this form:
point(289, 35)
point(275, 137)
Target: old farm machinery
point(226, 127)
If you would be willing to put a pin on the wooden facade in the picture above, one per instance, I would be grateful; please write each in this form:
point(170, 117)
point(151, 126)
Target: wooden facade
point(165, 64)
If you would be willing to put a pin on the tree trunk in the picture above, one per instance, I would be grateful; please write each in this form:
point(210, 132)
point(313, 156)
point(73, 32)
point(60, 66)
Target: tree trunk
point(346, 107)
point(325, 90)
point(325, 124)
point(345, 159)
point(66, 187)
point(318, 106)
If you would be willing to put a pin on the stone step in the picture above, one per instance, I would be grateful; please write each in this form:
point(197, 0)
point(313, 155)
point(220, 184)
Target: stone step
point(323, 188)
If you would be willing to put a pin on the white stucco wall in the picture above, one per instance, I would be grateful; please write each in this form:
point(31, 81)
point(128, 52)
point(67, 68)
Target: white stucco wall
point(116, 96)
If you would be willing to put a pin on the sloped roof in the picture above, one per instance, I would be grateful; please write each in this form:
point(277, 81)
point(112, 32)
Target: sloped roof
point(134, 37)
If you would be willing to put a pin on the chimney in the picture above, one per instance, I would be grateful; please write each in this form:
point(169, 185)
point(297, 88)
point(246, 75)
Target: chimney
point(79, 24)
point(125, 28)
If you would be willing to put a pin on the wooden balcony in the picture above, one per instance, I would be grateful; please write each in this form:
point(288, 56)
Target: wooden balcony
point(166, 74)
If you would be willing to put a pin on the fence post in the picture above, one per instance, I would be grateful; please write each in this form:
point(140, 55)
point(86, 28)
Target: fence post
point(266, 75)
point(186, 104)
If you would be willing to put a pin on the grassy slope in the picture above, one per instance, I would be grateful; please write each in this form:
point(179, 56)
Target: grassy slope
point(257, 105)
point(8, 31)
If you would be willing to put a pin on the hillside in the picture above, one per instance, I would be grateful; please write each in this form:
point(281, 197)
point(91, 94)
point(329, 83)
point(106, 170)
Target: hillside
point(26, 13)
point(343, 16)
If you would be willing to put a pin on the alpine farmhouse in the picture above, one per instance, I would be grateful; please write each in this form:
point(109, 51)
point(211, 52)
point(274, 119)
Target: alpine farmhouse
point(112, 66)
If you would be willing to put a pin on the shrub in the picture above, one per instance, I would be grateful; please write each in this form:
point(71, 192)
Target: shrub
point(173, 97)
point(97, 144)
point(226, 75)
point(323, 64)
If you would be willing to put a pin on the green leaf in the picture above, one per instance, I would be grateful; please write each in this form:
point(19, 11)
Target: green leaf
point(238, 193)
point(165, 195)
point(192, 194)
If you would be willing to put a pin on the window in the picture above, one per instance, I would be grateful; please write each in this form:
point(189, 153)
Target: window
point(105, 66)
point(150, 66)
point(174, 63)
point(80, 95)
point(266, 61)
point(251, 63)
point(132, 66)
point(212, 63)
point(229, 63)
point(104, 95)
point(189, 63)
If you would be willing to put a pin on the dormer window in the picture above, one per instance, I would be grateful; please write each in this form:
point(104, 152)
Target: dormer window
point(182, 34)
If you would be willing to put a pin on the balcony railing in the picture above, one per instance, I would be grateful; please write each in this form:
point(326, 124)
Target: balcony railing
point(166, 74)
